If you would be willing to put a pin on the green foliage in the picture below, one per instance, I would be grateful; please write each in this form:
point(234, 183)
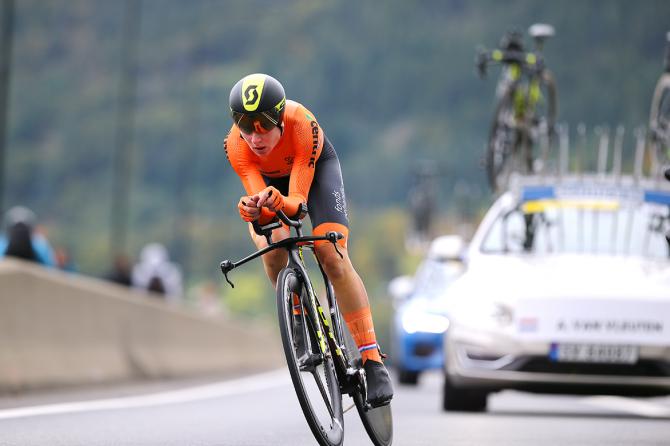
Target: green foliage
point(252, 296)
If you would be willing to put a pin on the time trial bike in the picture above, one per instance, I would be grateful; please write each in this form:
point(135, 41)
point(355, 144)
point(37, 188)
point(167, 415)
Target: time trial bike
point(526, 108)
point(322, 358)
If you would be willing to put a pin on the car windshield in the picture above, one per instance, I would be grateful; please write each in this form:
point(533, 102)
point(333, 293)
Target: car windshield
point(579, 225)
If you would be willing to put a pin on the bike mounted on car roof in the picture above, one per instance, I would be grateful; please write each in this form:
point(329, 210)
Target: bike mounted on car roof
point(321, 355)
point(526, 108)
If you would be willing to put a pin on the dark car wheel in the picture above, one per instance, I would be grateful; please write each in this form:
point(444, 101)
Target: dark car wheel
point(462, 399)
point(408, 377)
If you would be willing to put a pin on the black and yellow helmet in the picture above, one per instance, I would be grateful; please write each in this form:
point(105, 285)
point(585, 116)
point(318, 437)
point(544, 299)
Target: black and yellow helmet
point(257, 103)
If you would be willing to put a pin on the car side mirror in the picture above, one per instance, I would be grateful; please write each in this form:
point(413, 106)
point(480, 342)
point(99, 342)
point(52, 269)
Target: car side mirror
point(400, 288)
point(447, 248)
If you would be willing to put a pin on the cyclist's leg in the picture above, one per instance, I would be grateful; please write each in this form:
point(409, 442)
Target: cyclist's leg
point(273, 261)
point(327, 209)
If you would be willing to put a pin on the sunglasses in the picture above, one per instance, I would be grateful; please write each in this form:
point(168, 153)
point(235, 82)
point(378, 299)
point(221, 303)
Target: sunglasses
point(261, 122)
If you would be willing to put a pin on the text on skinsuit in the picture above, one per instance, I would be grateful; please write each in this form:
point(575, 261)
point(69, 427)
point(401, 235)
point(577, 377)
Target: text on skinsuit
point(315, 142)
point(340, 202)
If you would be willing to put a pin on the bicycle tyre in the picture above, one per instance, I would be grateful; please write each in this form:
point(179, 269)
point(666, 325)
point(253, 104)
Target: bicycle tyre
point(378, 422)
point(550, 96)
point(549, 83)
point(659, 118)
point(501, 143)
point(318, 391)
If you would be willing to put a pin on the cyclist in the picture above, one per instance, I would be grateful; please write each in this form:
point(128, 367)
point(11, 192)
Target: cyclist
point(284, 160)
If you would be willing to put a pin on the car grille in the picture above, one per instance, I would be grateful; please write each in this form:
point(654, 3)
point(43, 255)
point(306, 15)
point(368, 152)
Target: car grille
point(641, 368)
point(422, 349)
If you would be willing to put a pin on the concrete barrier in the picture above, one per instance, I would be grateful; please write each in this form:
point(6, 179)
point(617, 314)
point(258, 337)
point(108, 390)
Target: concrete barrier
point(62, 329)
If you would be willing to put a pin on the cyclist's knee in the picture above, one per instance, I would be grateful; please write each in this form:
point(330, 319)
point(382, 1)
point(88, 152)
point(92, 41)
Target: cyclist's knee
point(275, 258)
point(272, 258)
point(335, 266)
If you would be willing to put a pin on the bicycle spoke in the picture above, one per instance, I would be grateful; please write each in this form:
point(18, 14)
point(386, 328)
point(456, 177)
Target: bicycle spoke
point(324, 393)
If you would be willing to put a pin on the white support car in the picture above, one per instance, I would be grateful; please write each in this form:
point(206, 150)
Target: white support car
point(567, 290)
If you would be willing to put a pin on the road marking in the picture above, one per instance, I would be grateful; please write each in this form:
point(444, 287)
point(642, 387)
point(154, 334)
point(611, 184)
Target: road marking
point(250, 384)
point(629, 405)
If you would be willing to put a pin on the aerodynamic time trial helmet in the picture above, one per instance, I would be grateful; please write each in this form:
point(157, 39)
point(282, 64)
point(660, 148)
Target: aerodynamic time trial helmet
point(257, 103)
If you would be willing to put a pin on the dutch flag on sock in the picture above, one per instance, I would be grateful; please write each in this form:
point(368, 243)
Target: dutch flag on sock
point(366, 347)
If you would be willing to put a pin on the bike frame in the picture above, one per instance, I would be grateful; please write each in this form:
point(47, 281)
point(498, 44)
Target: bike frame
point(525, 95)
point(334, 332)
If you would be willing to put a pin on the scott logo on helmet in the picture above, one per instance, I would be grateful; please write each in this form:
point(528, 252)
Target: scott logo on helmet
point(252, 91)
point(251, 95)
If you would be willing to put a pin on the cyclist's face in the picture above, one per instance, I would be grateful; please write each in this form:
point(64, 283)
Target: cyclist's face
point(262, 143)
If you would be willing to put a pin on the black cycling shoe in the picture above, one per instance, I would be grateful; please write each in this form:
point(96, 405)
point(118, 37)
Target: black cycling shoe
point(380, 390)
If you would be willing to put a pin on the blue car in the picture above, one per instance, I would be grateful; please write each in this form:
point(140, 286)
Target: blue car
point(419, 323)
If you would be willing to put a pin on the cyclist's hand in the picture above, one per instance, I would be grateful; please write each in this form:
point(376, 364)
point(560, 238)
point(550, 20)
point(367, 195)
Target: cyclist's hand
point(270, 198)
point(249, 211)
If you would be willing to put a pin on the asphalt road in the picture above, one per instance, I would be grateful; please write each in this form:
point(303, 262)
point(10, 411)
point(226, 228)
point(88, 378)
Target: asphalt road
point(263, 410)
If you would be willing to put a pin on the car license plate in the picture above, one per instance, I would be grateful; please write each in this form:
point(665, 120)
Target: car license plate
point(600, 353)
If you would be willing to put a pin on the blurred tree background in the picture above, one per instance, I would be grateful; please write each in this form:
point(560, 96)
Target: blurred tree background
point(390, 82)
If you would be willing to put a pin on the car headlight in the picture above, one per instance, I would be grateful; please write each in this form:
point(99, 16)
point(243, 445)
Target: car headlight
point(418, 321)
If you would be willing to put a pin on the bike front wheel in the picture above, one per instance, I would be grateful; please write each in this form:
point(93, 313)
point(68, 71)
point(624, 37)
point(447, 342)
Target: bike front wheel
point(310, 362)
point(378, 421)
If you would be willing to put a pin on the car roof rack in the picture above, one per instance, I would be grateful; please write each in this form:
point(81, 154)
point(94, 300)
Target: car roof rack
point(644, 183)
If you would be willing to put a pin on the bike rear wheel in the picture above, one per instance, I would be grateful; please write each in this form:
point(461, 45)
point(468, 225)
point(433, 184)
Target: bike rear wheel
point(545, 115)
point(659, 120)
point(378, 421)
point(502, 143)
point(313, 373)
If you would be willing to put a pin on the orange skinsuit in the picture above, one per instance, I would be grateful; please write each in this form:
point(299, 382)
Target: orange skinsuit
point(296, 155)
